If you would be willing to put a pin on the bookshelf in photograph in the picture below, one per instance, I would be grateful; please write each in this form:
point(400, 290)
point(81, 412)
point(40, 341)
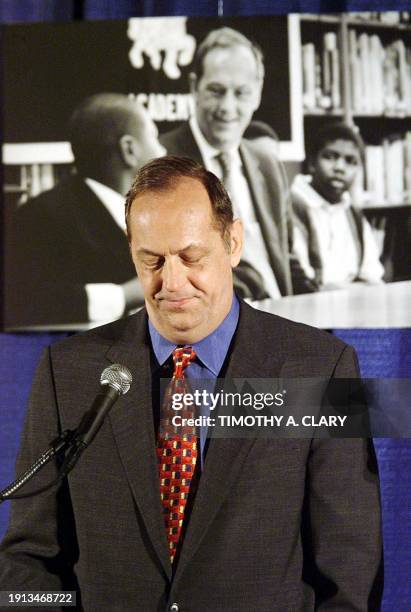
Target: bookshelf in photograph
point(357, 68)
point(31, 168)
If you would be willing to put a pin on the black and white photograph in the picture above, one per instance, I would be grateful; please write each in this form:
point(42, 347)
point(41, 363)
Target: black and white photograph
point(306, 119)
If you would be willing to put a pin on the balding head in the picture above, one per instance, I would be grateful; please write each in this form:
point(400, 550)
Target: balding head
point(110, 127)
point(227, 38)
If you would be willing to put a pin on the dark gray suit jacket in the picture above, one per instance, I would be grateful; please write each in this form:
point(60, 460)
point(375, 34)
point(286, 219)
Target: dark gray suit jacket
point(269, 191)
point(59, 242)
point(286, 524)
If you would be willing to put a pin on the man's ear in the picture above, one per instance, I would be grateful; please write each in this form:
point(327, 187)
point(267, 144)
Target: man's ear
point(258, 94)
point(129, 150)
point(236, 242)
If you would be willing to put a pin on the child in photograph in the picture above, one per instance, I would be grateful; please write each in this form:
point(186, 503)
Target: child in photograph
point(332, 239)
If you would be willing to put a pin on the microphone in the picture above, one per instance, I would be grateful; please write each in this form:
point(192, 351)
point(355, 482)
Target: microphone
point(115, 381)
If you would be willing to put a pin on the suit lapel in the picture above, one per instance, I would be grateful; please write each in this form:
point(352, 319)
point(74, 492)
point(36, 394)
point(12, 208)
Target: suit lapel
point(268, 211)
point(133, 430)
point(261, 197)
point(181, 142)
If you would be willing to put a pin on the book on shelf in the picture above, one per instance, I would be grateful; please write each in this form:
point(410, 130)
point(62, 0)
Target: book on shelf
point(309, 76)
point(387, 176)
point(322, 75)
point(394, 170)
point(374, 175)
point(380, 75)
point(331, 71)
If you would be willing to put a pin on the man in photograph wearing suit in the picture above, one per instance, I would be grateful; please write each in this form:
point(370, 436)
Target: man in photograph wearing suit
point(67, 255)
point(226, 85)
point(255, 524)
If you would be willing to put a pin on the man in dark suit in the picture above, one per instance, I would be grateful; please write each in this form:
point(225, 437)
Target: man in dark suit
point(260, 524)
point(67, 258)
point(226, 85)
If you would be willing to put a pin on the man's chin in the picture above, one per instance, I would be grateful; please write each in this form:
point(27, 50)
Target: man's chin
point(226, 139)
point(181, 315)
point(182, 328)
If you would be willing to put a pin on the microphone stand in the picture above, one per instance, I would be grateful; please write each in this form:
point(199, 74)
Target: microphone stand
point(60, 444)
point(116, 380)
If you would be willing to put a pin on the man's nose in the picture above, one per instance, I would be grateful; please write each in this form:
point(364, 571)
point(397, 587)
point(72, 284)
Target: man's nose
point(174, 275)
point(227, 103)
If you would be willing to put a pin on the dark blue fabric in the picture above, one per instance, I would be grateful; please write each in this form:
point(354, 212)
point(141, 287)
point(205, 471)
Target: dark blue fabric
point(14, 11)
point(386, 353)
point(19, 354)
point(106, 9)
point(266, 7)
point(120, 9)
point(394, 460)
point(382, 353)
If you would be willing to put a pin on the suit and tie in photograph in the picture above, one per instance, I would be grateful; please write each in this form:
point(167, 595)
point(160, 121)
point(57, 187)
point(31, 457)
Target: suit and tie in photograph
point(226, 85)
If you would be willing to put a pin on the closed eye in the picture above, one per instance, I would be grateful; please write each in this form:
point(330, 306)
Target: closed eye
point(191, 260)
point(153, 263)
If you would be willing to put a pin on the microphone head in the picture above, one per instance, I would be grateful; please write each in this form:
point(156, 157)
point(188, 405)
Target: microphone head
point(117, 377)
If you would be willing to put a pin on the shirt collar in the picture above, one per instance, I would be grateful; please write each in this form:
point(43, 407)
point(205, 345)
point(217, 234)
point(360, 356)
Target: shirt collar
point(211, 350)
point(112, 200)
point(303, 188)
point(208, 152)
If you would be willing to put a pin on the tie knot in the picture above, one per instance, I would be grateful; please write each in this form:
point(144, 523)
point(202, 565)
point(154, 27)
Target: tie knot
point(182, 357)
point(226, 163)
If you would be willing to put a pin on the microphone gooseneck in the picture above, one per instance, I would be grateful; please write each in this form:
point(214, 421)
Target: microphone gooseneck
point(115, 381)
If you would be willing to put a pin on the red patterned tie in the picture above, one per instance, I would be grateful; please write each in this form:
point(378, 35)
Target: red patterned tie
point(176, 453)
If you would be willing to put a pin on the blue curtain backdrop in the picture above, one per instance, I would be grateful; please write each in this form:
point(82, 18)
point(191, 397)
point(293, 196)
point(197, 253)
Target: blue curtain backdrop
point(382, 353)
point(12, 11)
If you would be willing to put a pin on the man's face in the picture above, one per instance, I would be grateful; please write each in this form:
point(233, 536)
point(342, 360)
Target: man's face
point(226, 95)
point(335, 169)
point(182, 260)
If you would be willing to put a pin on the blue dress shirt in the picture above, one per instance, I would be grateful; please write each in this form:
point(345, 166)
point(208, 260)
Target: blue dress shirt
point(211, 352)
